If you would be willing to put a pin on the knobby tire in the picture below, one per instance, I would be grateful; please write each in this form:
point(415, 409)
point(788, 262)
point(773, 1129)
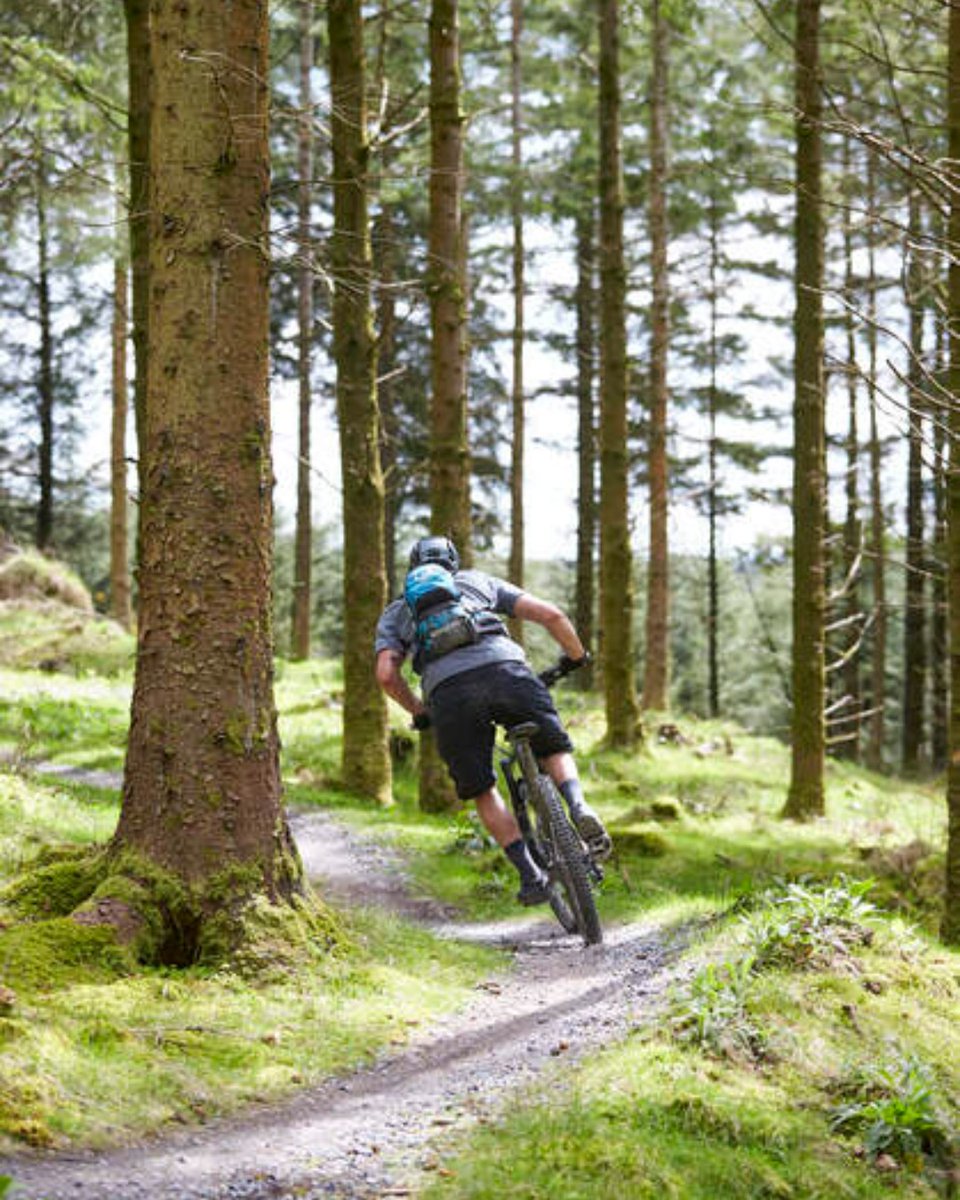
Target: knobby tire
point(573, 905)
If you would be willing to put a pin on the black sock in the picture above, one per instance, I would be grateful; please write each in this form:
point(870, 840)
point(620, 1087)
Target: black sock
point(572, 792)
point(519, 855)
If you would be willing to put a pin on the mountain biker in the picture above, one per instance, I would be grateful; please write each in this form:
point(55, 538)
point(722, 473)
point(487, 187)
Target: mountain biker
point(471, 688)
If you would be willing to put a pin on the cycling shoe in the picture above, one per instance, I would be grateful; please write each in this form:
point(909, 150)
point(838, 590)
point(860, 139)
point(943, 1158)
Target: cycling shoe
point(537, 892)
point(591, 829)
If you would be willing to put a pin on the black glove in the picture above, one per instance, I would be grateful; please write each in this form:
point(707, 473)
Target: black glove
point(421, 721)
point(564, 665)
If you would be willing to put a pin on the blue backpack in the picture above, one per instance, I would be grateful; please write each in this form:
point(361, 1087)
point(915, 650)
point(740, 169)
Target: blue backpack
point(441, 620)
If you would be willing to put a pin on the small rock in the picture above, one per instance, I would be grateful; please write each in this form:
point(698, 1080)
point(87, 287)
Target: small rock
point(884, 1162)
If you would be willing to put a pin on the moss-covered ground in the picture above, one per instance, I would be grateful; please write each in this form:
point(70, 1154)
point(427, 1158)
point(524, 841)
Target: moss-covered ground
point(750, 1104)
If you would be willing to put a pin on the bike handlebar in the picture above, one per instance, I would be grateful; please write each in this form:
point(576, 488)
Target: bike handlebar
point(565, 665)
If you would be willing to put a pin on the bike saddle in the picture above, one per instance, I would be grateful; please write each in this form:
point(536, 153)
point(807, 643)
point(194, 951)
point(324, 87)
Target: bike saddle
point(523, 732)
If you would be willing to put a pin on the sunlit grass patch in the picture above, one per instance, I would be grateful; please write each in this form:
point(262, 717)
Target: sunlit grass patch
point(109, 1060)
point(35, 813)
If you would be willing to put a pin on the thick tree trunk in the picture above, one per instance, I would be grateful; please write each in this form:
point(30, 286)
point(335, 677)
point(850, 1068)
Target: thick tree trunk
point(303, 536)
point(46, 398)
point(586, 430)
point(119, 569)
point(806, 795)
point(201, 795)
point(950, 928)
point(656, 674)
point(516, 572)
point(366, 759)
point(914, 617)
point(139, 72)
point(616, 558)
point(878, 661)
point(447, 288)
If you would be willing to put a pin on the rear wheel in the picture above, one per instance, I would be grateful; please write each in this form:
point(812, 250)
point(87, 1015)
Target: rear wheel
point(571, 894)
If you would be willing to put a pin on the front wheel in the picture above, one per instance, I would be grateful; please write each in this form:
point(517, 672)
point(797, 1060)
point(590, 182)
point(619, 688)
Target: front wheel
point(571, 894)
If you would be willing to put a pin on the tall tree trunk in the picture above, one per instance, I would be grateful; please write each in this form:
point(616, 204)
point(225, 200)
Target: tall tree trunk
point(656, 675)
point(447, 286)
point(847, 739)
point(939, 634)
point(516, 206)
point(366, 760)
point(385, 259)
point(616, 558)
point(914, 622)
point(805, 798)
point(303, 537)
point(139, 73)
point(950, 928)
point(385, 266)
point(878, 662)
point(713, 485)
point(449, 449)
point(119, 568)
point(201, 794)
point(586, 429)
point(46, 398)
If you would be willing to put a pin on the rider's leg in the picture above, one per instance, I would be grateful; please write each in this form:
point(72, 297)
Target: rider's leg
point(563, 771)
point(502, 826)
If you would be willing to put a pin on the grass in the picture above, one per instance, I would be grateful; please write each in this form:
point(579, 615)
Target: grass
point(781, 1070)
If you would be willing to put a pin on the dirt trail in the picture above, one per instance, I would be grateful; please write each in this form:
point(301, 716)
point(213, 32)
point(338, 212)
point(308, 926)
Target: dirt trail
point(372, 1133)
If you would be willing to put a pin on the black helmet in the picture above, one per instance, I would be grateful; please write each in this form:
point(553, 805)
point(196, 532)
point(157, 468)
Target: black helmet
point(435, 550)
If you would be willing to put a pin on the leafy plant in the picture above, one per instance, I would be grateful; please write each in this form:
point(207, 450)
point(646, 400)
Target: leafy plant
point(6, 1183)
point(899, 1114)
point(711, 1011)
point(808, 924)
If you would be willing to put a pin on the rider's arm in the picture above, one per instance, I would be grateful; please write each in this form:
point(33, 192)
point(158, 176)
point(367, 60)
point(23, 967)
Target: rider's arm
point(554, 621)
point(390, 678)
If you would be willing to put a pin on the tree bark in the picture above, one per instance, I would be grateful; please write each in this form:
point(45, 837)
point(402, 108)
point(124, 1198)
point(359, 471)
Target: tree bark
point(366, 759)
point(616, 558)
point(713, 483)
point(303, 536)
point(139, 72)
point(586, 430)
point(656, 675)
point(447, 289)
point(201, 794)
point(878, 662)
point(847, 739)
point(950, 927)
point(805, 798)
point(46, 389)
point(119, 569)
point(446, 284)
point(914, 617)
point(516, 571)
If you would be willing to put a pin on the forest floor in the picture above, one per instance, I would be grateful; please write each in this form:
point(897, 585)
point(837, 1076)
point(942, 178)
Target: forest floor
point(378, 1132)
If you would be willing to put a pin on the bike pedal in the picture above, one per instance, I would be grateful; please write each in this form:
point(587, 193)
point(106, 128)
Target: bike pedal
point(600, 847)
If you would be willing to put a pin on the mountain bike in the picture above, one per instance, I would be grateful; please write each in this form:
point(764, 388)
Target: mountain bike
point(554, 843)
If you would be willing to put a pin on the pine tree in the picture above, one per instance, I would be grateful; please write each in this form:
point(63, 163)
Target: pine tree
point(806, 795)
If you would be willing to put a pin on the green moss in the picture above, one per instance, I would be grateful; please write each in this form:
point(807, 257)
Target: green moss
point(275, 939)
point(25, 1108)
point(645, 843)
point(49, 955)
point(60, 879)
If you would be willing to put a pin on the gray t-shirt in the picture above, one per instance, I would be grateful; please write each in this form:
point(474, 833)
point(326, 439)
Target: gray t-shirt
point(481, 593)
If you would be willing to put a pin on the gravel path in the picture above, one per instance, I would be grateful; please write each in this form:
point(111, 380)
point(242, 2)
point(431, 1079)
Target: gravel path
point(372, 1133)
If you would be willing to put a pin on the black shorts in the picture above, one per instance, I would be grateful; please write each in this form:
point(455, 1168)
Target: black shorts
point(467, 707)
